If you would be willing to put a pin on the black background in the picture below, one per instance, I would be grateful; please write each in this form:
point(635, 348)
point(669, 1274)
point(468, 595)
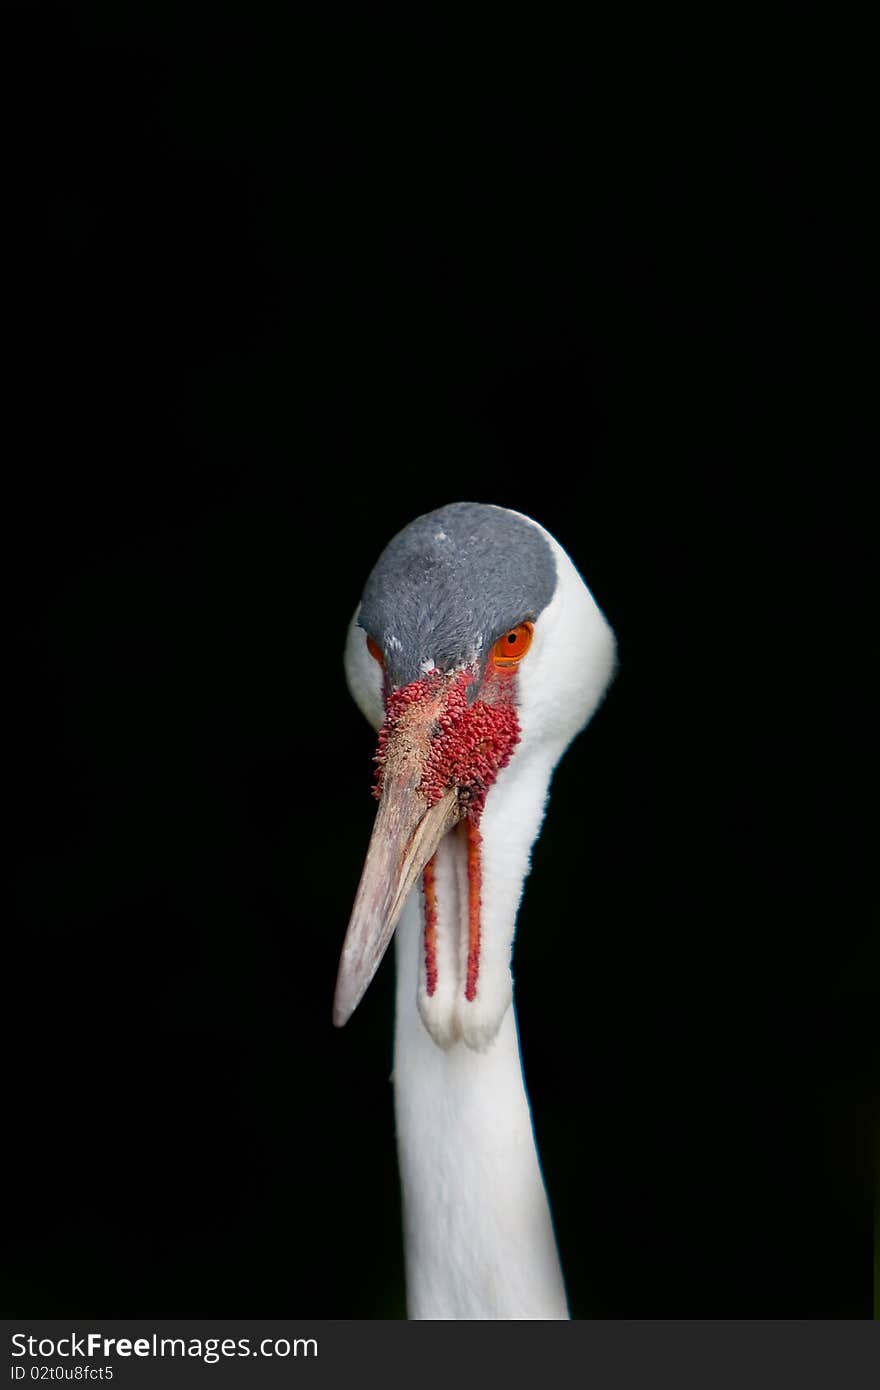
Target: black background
point(281, 281)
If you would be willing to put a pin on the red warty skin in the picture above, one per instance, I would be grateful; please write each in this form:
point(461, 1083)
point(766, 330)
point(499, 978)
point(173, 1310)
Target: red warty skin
point(472, 743)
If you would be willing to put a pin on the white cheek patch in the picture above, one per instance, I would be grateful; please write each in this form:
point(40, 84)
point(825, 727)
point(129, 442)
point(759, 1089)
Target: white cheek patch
point(363, 674)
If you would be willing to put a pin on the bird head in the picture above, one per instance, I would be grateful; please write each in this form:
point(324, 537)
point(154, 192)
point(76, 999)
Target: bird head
point(478, 653)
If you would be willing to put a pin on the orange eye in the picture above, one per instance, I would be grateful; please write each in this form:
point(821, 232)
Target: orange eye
point(512, 647)
point(375, 651)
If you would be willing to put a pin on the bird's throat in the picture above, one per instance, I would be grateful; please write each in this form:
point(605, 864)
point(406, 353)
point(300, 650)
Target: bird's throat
point(471, 834)
point(452, 937)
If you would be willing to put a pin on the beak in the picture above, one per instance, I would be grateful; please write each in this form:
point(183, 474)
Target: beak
point(405, 836)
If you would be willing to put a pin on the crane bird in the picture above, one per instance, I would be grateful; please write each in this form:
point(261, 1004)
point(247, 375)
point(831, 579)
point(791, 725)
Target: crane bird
point(478, 653)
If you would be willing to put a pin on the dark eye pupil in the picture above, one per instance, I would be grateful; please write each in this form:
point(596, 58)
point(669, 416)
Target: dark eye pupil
point(511, 637)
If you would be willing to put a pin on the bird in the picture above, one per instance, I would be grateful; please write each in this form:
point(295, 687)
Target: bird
point(477, 652)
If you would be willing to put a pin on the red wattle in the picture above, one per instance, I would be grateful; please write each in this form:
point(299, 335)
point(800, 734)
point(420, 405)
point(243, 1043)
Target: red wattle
point(475, 887)
point(429, 886)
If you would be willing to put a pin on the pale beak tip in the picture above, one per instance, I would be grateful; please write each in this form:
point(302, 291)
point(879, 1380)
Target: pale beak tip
point(340, 1015)
point(345, 1001)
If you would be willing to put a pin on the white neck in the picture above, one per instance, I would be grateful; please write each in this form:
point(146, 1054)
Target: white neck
point(478, 1235)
